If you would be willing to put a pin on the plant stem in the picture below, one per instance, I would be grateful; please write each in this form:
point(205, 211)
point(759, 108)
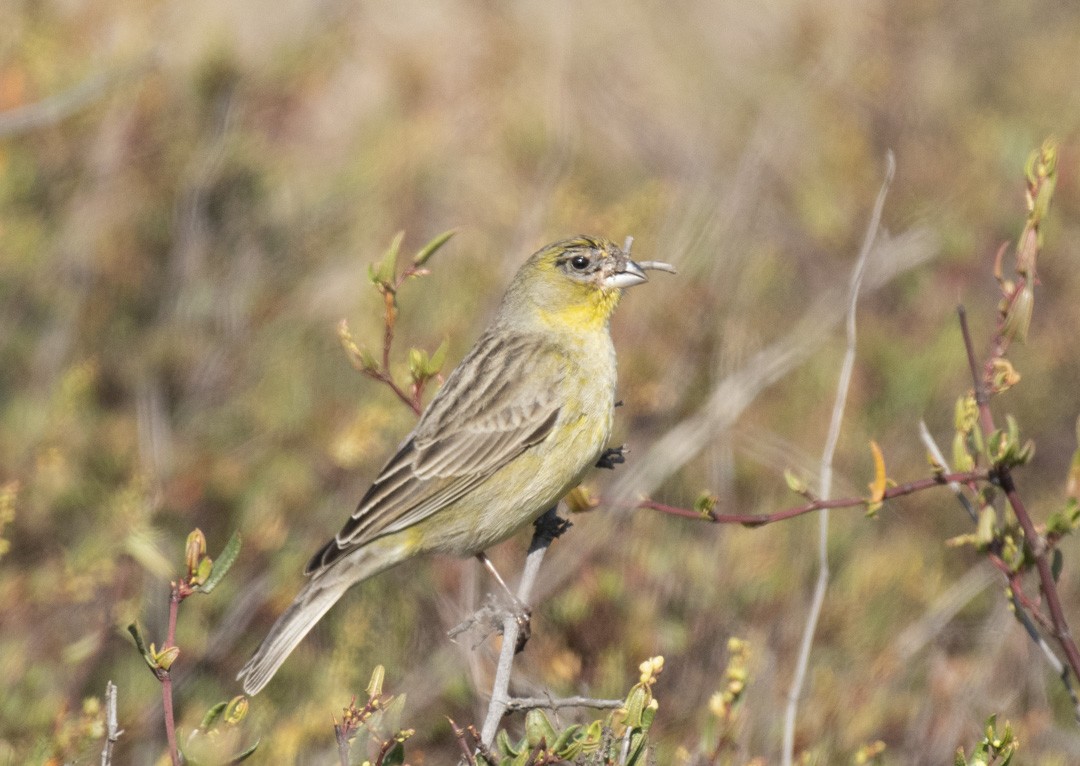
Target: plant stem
point(760, 520)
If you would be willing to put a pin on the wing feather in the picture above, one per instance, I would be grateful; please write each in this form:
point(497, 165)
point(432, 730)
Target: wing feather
point(494, 406)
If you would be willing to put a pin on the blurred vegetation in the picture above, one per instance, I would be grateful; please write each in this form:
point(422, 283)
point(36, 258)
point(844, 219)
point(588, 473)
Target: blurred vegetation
point(191, 194)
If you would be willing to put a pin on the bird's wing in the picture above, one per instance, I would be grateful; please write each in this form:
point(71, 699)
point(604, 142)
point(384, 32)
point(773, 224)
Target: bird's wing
point(494, 406)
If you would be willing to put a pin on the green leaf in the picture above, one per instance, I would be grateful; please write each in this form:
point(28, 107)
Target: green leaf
point(438, 359)
point(795, 484)
point(244, 754)
point(504, 746)
point(213, 715)
point(1056, 563)
point(538, 729)
point(417, 363)
point(133, 629)
point(383, 275)
point(431, 247)
point(961, 458)
point(375, 685)
point(635, 706)
point(564, 740)
point(395, 756)
point(223, 563)
point(987, 527)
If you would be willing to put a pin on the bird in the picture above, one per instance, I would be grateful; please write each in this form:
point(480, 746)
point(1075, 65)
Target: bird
point(511, 431)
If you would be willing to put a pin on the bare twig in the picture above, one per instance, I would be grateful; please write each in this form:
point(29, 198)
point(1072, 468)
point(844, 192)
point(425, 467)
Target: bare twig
point(59, 107)
point(164, 675)
point(548, 527)
point(112, 731)
point(842, 387)
point(558, 703)
point(760, 520)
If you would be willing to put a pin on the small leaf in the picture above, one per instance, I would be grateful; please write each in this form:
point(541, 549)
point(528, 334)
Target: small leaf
point(224, 562)
point(635, 706)
point(133, 629)
point(213, 715)
point(795, 484)
point(1057, 561)
point(395, 756)
point(879, 484)
point(243, 755)
point(206, 565)
point(417, 363)
point(538, 729)
point(438, 359)
point(564, 740)
point(382, 276)
point(1018, 317)
point(504, 746)
point(432, 247)
point(961, 458)
point(194, 551)
point(987, 528)
point(705, 504)
point(375, 685)
point(236, 710)
point(165, 658)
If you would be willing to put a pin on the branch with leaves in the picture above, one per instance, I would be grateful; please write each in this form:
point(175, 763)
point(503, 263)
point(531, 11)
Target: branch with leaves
point(203, 574)
point(388, 281)
point(984, 455)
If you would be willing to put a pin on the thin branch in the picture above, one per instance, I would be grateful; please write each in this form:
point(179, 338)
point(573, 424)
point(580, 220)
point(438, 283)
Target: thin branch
point(842, 387)
point(760, 520)
point(1037, 544)
point(1033, 541)
point(175, 597)
point(548, 527)
point(57, 108)
point(558, 703)
point(112, 731)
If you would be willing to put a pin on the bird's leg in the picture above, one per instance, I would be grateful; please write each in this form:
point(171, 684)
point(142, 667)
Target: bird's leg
point(483, 559)
point(522, 611)
point(612, 457)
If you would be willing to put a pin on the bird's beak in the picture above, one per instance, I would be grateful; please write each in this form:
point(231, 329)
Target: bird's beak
point(631, 274)
point(634, 273)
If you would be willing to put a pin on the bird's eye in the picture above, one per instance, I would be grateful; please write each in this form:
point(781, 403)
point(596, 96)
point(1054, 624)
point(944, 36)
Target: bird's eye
point(580, 262)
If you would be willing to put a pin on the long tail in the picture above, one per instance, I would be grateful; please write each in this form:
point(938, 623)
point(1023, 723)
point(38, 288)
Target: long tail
point(313, 601)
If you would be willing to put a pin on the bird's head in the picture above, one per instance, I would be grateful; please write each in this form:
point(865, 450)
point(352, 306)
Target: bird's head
point(575, 283)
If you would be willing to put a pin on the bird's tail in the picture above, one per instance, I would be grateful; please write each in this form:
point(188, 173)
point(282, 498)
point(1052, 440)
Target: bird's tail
point(313, 601)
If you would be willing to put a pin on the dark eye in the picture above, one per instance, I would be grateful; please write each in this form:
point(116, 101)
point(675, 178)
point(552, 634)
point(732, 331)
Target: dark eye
point(580, 262)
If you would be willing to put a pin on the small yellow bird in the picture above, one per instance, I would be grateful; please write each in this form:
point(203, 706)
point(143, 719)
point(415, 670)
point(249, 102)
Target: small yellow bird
point(513, 429)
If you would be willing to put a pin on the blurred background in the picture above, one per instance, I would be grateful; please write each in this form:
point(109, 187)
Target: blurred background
point(191, 193)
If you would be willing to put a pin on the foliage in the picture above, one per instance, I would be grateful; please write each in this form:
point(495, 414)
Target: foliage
point(195, 208)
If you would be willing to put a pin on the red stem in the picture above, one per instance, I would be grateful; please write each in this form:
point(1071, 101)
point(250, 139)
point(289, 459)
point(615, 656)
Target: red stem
point(1033, 541)
point(758, 520)
point(1037, 545)
point(175, 597)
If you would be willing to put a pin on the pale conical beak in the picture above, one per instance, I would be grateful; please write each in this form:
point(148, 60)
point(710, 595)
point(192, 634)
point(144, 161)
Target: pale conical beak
point(631, 275)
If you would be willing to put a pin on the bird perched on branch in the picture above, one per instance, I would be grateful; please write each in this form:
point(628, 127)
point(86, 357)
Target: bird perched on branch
point(513, 429)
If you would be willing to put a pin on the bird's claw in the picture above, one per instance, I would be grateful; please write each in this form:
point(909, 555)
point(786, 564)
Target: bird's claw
point(612, 457)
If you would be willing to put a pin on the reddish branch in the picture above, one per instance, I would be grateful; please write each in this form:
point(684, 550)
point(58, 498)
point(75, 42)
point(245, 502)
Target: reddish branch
point(179, 591)
point(1033, 542)
point(758, 520)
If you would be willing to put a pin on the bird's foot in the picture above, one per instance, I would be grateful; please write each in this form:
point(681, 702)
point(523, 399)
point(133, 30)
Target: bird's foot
point(612, 457)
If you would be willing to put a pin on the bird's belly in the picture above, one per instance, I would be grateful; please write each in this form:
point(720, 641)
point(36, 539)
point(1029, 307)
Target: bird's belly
point(521, 491)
